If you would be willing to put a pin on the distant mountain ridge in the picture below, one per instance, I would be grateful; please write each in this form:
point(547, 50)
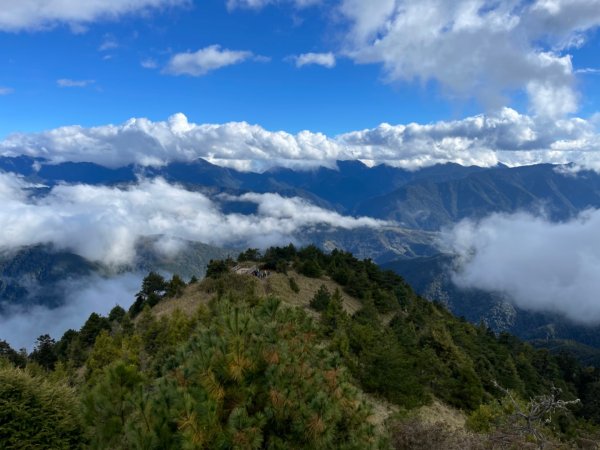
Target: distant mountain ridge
point(342, 189)
point(428, 198)
point(32, 275)
point(430, 205)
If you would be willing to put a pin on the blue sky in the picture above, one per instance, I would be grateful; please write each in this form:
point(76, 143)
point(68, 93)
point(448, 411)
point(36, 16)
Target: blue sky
point(275, 94)
point(384, 61)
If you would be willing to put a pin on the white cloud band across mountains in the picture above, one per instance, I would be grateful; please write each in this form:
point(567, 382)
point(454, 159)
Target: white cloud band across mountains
point(103, 224)
point(483, 140)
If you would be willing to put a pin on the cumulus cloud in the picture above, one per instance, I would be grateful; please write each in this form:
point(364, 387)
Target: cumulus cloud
point(144, 142)
point(21, 327)
point(66, 83)
point(320, 59)
point(104, 224)
point(485, 48)
point(540, 265)
point(483, 140)
point(43, 14)
point(205, 60)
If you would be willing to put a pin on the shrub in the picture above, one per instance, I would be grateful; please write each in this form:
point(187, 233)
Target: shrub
point(293, 285)
point(310, 269)
point(321, 299)
point(37, 413)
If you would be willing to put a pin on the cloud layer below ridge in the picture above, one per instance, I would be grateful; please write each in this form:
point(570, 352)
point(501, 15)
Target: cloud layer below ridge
point(104, 223)
point(542, 266)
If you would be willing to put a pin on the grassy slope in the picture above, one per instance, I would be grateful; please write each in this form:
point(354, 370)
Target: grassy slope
point(278, 285)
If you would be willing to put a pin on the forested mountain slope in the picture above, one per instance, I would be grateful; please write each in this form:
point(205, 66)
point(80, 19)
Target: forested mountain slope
point(297, 349)
point(432, 278)
point(429, 205)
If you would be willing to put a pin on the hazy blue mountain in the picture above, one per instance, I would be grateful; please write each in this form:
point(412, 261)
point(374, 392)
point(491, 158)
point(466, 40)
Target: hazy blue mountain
point(32, 275)
point(427, 204)
point(40, 274)
point(426, 199)
point(199, 172)
point(380, 245)
point(40, 170)
point(23, 165)
point(353, 182)
point(87, 173)
point(342, 189)
point(188, 258)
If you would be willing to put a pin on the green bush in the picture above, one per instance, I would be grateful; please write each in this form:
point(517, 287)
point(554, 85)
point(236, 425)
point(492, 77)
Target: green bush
point(293, 285)
point(310, 269)
point(321, 299)
point(37, 413)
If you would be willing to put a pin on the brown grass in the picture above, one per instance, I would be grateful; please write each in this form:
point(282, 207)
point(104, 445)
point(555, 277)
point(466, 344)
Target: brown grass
point(439, 413)
point(276, 284)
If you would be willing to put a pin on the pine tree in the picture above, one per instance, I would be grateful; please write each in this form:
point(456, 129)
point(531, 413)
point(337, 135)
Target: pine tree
point(321, 299)
point(44, 353)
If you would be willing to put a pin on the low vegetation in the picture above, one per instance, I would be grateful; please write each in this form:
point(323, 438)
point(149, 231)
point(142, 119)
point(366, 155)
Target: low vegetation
point(325, 352)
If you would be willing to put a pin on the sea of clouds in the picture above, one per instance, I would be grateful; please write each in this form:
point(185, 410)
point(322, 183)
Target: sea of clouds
point(541, 265)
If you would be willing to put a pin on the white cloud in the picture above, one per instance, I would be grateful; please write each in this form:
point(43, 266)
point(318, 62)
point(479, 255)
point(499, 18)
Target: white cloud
point(541, 266)
point(507, 137)
point(5, 90)
point(259, 4)
point(109, 43)
point(66, 82)
point(103, 224)
point(484, 140)
point(482, 48)
point(21, 327)
point(42, 14)
point(588, 70)
point(205, 60)
point(149, 63)
point(320, 59)
point(144, 142)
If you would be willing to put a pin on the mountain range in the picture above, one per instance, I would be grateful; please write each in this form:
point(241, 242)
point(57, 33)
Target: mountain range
point(427, 198)
point(417, 204)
